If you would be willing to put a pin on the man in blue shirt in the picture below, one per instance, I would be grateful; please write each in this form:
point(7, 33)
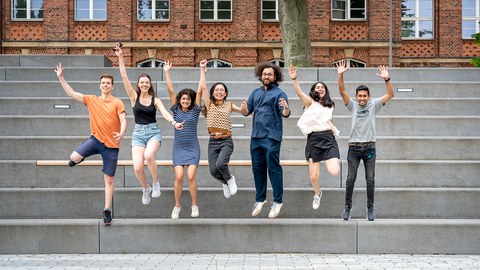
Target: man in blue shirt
point(269, 105)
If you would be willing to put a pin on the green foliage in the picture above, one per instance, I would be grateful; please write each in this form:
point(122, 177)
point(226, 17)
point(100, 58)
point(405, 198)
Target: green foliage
point(476, 60)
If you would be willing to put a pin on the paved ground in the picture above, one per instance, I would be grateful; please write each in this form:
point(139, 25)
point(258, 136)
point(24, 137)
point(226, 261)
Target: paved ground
point(236, 261)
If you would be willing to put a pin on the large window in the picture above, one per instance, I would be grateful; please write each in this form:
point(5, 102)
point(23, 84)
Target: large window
point(217, 63)
point(351, 63)
point(90, 10)
point(349, 9)
point(153, 10)
point(216, 10)
point(417, 19)
point(270, 10)
point(278, 62)
point(27, 9)
point(151, 63)
point(470, 18)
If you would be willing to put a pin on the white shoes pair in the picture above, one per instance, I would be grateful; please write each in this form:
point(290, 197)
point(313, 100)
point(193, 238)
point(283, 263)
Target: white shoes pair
point(230, 188)
point(155, 192)
point(274, 210)
point(176, 212)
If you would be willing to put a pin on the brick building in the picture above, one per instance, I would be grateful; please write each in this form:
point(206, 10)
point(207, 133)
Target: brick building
point(241, 33)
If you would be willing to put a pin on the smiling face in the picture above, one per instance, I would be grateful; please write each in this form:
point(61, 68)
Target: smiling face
point(320, 89)
point(185, 101)
point(362, 97)
point(106, 85)
point(268, 76)
point(218, 92)
point(144, 84)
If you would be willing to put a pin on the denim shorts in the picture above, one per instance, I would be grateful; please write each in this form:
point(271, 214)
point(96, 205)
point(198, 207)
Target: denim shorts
point(142, 134)
point(109, 155)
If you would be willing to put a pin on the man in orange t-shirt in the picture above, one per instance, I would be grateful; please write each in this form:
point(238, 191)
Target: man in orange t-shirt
point(108, 123)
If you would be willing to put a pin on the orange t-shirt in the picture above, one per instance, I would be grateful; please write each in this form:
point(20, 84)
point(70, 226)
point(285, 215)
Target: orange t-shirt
point(104, 120)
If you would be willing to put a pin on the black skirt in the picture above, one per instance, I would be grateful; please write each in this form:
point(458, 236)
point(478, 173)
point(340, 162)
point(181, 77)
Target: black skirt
point(321, 145)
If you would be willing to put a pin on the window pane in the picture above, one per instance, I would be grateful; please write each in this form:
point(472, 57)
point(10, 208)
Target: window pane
point(224, 15)
point(468, 8)
point(81, 14)
point(268, 15)
point(224, 5)
point(20, 4)
point(145, 64)
point(408, 8)
point(357, 3)
point(206, 5)
point(99, 14)
point(468, 32)
point(357, 14)
point(206, 15)
point(425, 9)
point(268, 4)
point(162, 4)
point(338, 14)
point(36, 14)
point(408, 29)
point(162, 15)
point(20, 14)
point(99, 4)
point(468, 24)
point(426, 29)
point(81, 4)
point(222, 64)
point(145, 14)
point(338, 4)
point(36, 4)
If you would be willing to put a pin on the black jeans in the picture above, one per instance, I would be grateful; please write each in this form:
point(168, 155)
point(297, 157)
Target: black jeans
point(219, 152)
point(368, 155)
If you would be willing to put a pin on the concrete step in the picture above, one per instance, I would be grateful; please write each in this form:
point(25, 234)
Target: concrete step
point(389, 173)
point(361, 75)
point(242, 88)
point(50, 61)
point(396, 107)
point(388, 147)
point(74, 125)
point(421, 203)
point(409, 236)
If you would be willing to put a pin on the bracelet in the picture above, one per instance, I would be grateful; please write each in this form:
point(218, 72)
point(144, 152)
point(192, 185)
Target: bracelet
point(174, 122)
point(294, 79)
point(387, 80)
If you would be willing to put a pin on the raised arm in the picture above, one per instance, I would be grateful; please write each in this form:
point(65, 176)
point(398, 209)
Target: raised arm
point(66, 87)
point(166, 67)
point(384, 75)
point(293, 75)
point(202, 85)
point(123, 72)
point(341, 68)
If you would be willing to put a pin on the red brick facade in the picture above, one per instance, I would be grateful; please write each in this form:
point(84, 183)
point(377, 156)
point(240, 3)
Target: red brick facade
point(244, 41)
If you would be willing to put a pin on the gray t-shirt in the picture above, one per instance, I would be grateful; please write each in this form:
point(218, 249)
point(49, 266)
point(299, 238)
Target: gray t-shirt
point(363, 120)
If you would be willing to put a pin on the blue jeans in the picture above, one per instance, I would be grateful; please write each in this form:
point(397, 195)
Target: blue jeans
point(265, 155)
point(368, 155)
point(219, 152)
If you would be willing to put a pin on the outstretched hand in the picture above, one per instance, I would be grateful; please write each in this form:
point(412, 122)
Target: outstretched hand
point(203, 64)
point(59, 70)
point(383, 72)
point(292, 72)
point(118, 49)
point(167, 66)
point(342, 66)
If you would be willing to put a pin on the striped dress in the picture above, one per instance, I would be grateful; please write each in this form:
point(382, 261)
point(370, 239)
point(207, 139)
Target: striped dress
point(186, 149)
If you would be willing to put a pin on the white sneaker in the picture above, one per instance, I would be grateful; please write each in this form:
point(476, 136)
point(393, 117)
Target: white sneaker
point(232, 185)
point(156, 190)
point(316, 201)
point(226, 191)
point(195, 212)
point(176, 212)
point(275, 210)
point(257, 208)
point(146, 195)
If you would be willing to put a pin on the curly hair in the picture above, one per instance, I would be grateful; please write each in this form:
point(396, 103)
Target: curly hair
point(276, 69)
point(190, 93)
point(326, 101)
point(151, 91)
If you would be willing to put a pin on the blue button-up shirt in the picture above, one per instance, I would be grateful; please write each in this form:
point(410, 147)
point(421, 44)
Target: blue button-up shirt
point(267, 113)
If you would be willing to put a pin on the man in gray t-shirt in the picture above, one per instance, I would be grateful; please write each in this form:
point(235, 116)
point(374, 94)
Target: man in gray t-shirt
point(361, 145)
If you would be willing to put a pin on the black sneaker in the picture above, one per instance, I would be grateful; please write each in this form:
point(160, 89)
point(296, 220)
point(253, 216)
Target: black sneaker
point(107, 217)
point(371, 214)
point(346, 213)
point(72, 163)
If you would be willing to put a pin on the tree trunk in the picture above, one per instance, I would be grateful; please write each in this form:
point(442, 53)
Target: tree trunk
point(297, 49)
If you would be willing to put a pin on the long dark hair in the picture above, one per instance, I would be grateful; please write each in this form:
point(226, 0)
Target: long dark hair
point(151, 91)
point(212, 89)
point(277, 71)
point(326, 101)
point(189, 92)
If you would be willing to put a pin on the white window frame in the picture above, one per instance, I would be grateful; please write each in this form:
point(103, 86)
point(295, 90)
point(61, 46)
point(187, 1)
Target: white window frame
point(350, 63)
point(278, 62)
point(276, 11)
point(476, 19)
point(153, 62)
point(215, 11)
point(28, 11)
point(154, 12)
point(90, 12)
point(348, 10)
point(213, 63)
point(417, 19)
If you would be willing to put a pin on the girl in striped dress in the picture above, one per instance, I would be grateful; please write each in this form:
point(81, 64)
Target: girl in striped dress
point(186, 108)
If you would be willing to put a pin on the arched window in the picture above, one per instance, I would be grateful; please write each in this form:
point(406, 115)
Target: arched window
point(278, 62)
point(217, 63)
point(351, 63)
point(151, 63)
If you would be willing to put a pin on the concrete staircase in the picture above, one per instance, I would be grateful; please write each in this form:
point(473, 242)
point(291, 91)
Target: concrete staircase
point(427, 175)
